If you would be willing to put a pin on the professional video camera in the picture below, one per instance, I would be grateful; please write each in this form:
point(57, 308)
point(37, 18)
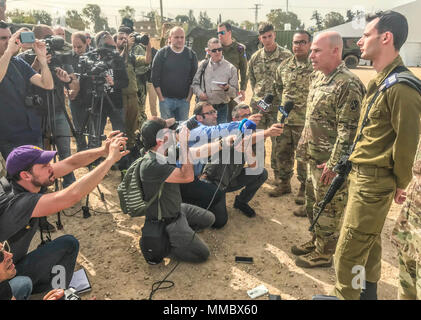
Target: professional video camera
point(140, 38)
point(96, 63)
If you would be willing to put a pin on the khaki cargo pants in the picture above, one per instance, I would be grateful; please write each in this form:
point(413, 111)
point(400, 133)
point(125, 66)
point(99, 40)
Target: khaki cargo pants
point(370, 196)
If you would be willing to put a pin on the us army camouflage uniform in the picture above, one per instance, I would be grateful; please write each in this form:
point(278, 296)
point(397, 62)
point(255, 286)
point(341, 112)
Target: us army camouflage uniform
point(2, 167)
point(292, 80)
point(406, 236)
point(261, 72)
point(333, 110)
point(235, 53)
point(134, 113)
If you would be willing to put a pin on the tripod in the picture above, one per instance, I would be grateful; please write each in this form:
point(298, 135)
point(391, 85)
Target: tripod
point(92, 125)
point(49, 135)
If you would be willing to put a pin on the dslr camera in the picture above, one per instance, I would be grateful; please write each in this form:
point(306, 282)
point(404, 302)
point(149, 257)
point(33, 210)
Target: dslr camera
point(96, 63)
point(140, 38)
point(190, 123)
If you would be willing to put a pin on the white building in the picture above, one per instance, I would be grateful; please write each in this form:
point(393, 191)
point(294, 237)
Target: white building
point(411, 50)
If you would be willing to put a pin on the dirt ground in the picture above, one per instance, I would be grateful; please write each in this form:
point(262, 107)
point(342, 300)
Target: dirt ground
point(109, 249)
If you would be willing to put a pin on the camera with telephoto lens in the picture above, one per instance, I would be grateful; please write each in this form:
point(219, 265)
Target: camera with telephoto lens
point(190, 123)
point(70, 294)
point(140, 38)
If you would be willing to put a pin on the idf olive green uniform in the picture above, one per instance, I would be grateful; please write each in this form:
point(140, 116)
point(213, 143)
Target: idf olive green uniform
point(292, 80)
point(406, 236)
point(333, 109)
point(134, 115)
point(142, 72)
point(261, 73)
point(381, 162)
point(235, 53)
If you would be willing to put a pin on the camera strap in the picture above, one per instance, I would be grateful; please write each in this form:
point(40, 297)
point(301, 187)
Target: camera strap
point(17, 86)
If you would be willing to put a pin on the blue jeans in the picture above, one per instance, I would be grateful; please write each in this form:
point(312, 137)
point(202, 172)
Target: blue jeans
point(21, 287)
point(38, 264)
point(174, 108)
point(222, 112)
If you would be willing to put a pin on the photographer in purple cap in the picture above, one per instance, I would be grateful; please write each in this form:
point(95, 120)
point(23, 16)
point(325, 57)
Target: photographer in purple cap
point(29, 168)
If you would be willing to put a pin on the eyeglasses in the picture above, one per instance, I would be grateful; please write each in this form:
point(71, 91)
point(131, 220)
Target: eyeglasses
point(220, 33)
point(5, 248)
point(216, 49)
point(209, 113)
point(299, 43)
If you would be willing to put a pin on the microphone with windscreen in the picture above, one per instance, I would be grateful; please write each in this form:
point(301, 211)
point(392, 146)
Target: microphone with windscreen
point(289, 105)
point(265, 104)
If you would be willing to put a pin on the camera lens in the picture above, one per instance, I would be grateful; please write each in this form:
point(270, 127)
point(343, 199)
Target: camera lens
point(143, 39)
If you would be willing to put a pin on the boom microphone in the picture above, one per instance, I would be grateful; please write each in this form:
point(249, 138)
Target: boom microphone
point(264, 105)
point(289, 105)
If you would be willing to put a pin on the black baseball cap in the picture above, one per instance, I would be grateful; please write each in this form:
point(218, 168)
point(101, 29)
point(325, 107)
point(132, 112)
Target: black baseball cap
point(149, 132)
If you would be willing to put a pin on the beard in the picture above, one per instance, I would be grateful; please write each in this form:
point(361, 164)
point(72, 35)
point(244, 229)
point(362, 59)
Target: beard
point(39, 184)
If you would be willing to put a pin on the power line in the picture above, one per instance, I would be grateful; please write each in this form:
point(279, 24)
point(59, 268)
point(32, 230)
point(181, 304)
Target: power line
point(256, 14)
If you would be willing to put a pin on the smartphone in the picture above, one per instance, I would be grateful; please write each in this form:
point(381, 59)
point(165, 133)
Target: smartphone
point(27, 37)
point(244, 259)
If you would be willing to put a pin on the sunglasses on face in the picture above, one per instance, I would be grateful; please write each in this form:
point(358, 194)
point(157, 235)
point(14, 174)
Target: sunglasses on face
point(209, 113)
point(220, 33)
point(216, 49)
point(5, 248)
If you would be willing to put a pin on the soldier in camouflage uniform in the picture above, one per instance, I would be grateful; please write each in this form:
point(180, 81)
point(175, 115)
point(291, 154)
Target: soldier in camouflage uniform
point(142, 72)
point(406, 236)
point(261, 73)
point(235, 53)
point(134, 112)
point(292, 81)
point(333, 109)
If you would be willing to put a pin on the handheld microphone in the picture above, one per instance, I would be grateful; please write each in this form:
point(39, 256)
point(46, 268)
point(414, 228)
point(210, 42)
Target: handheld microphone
point(244, 125)
point(289, 105)
point(264, 105)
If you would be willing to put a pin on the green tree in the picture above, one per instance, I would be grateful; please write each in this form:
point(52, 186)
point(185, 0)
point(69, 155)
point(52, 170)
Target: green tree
point(92, 13)
point(33, 16)
point(333, 19)
point(279, 18)
point(232, 22)
point(74, 20)
point(205, 21)
point(247, 25)
point(317, 17)
point(151, 16)
point(127, 12)
point(42, 17)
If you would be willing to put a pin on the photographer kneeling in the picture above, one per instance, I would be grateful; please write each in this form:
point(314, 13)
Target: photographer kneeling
point(30, 169)
point(201, 191)
point(181, 220)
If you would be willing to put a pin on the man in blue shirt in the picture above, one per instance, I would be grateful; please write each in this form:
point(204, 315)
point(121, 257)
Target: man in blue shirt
point(19, 124)
point(202, 192)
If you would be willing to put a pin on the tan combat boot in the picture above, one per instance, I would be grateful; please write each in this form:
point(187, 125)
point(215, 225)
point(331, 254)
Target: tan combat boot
point(300, 196)
point(300, 212)
point(284, 187)
point(273, 182)
point(304, 248)
point(321, 257)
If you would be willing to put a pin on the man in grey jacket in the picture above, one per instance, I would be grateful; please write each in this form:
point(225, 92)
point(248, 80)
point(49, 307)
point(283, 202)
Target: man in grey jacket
point(216, 80)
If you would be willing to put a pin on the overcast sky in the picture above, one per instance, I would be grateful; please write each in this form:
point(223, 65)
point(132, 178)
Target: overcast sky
point(237, 10)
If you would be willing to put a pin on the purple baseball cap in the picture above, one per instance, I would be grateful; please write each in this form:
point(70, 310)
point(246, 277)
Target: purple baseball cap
point(24, 156)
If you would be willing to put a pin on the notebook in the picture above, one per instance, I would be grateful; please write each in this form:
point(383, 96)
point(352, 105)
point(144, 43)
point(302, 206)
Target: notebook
point(80, 281)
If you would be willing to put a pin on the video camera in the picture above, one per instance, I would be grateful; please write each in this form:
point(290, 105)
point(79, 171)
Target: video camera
point(140, 38)
point(190, 123)
point(95, 64)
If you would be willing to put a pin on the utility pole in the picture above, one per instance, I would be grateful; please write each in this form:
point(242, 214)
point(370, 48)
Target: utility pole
point(287, 6)
point(162, 11)
point(256, 13)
